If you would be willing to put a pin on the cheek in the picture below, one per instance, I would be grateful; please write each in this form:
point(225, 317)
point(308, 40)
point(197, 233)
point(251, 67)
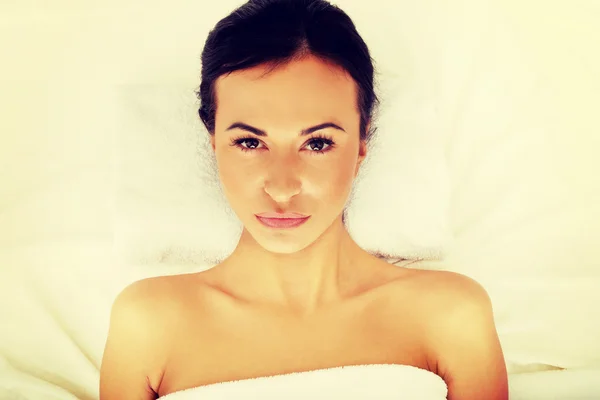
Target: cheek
point(237, 179)
point(334, 183)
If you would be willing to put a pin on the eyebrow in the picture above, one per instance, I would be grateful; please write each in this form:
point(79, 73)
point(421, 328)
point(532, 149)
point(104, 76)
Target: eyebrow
point(303, 132)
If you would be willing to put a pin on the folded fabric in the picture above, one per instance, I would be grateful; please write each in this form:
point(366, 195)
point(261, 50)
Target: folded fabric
point(369, 381)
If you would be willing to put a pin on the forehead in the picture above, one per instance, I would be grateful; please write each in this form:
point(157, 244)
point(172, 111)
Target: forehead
point(305, 89)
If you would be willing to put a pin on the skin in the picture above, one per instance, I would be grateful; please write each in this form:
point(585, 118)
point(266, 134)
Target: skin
point(300, 269)
point(301, 299)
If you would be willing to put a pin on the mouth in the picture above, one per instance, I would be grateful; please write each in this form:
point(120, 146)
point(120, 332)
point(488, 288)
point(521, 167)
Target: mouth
point(282, 223)
point(288, 215)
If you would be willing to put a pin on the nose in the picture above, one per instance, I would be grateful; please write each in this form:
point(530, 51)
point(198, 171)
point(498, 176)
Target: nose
point(282, 182)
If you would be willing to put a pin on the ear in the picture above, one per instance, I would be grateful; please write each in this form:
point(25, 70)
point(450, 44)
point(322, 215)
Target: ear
point(362, 153)
point(212, 141)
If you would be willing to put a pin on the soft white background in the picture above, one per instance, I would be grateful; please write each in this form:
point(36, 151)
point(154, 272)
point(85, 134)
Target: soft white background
point(518, 91)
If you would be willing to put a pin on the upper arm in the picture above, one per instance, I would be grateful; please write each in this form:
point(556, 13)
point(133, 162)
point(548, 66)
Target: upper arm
point(131, 354)
point(470, 357)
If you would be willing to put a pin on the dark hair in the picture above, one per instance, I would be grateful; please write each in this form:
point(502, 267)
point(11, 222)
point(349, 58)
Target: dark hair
point(275, 32)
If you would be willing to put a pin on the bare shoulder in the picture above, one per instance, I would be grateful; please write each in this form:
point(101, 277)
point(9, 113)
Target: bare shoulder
point(162, 299)
point(142, 319)
point(462, 336)
point(144, 302)
point(148, 297)
point(453, 291)
point(442, 291)
point(450, 301)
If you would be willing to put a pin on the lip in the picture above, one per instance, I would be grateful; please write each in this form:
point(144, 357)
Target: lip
point(273, 215)
point(282, 223)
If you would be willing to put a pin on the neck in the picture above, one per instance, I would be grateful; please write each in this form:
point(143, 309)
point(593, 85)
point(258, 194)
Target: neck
point(301, 282)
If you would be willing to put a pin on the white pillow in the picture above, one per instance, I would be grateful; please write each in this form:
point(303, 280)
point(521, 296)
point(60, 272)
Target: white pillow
point(170, 206)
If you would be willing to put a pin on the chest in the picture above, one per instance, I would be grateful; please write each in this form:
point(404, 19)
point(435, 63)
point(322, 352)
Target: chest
point(249, 345)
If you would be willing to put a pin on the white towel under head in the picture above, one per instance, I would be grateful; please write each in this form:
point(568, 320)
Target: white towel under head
point(371, 381)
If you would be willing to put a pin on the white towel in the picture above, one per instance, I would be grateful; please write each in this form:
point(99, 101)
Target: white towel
point(371, 381)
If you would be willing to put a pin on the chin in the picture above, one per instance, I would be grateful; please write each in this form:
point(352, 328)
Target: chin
point(282, 245)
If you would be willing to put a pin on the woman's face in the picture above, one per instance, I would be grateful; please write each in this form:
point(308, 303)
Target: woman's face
point(282, 170)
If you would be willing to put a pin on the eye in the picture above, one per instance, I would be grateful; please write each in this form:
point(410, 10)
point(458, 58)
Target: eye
point(314, 142)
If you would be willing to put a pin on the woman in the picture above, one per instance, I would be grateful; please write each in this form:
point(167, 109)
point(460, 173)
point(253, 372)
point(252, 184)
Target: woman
point(287, 97)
